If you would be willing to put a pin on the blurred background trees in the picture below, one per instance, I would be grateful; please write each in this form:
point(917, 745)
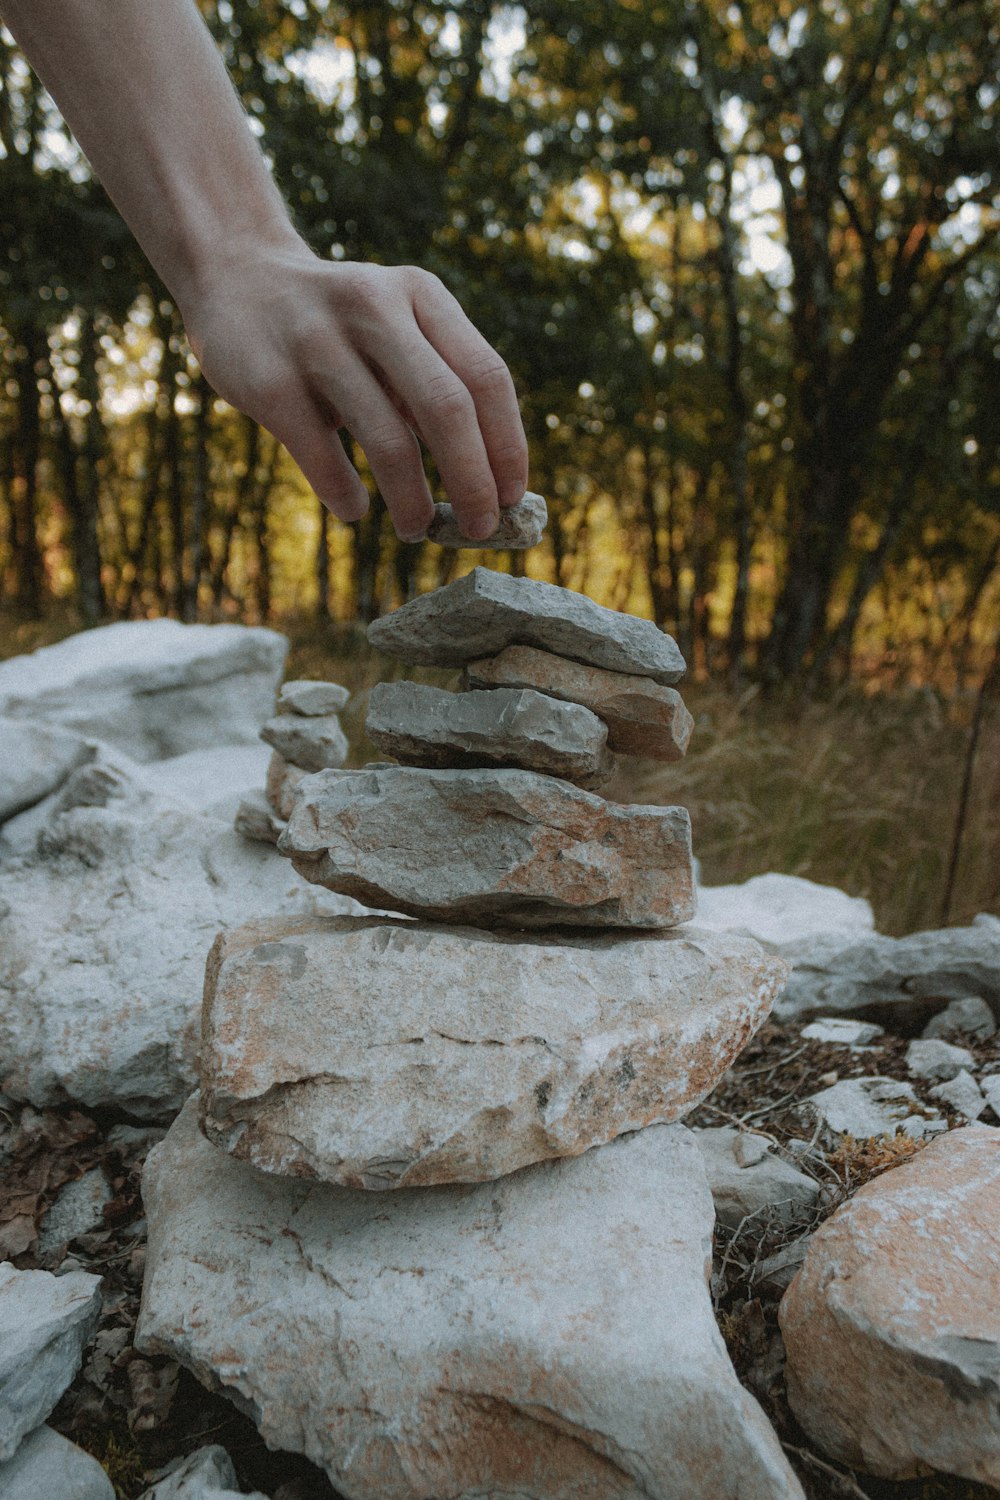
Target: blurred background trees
point(743, 260)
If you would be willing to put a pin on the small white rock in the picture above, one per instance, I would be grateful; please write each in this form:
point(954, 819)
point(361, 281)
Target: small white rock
point(864, 1107)
point(991, 1091)
point(206, 1474)
point(932, 1058)
point(48, 1467)
point(313, 700)
point(842, 1031)
point(748, 1181)
point(313, 744)
point(970, 1016)
point(962, 1095)
point(77, 1210)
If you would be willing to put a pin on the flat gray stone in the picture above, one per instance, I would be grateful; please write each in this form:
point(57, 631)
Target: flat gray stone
point(892, 1327)
point(933, 1058)
point(153, 688)
point(881, 978)
point(35, 760)
point(404, 1054)
point(990, 1087)
point(311, 744)
point(548, 1336)
point(752, 1185)
point(521, 526)
point(508, 727)
point(483, 612)
point(313, 700)
point(45, 1321)
point(494, 848)
point(48, 1467)
point(643, 717)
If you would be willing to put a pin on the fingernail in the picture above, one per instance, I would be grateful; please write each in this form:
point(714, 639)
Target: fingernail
point(478, 528)
point(512, 494)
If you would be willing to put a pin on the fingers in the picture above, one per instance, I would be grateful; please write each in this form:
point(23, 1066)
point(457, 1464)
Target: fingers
point(390, 446)
point(440, 406)
point(485, 378)
point(311, 438)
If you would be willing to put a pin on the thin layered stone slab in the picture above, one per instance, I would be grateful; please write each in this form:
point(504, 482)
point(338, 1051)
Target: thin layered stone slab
point(497, 848)
point(642, 717)
point(484, 612)
point(548, 1336)
point(521, 526)
point(510, 727)
point(378, 1053)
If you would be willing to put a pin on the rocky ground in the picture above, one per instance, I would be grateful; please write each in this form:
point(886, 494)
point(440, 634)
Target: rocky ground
point(136, 1414)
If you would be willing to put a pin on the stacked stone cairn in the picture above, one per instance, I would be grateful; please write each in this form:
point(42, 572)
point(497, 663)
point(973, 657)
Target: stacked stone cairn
point(305, 736)
point(431, 1218)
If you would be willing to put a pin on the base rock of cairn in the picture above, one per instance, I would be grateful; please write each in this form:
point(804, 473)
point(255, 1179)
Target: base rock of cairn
point(548, 1336)
point(523, 1308)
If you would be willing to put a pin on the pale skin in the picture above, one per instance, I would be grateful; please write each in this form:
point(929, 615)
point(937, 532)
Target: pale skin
point(304, 346)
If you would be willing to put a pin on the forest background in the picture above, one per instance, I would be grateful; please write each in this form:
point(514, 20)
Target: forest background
point(744, 263)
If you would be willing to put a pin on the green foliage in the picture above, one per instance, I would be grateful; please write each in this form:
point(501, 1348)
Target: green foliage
point(741, 258)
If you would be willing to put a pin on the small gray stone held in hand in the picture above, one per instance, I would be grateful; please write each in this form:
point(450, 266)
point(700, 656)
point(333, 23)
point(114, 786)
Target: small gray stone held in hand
point(483, 612)
point(509, 727)
point(496, 848)
point(521, 527)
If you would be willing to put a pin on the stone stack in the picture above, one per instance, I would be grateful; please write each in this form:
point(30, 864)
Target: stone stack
point(305, 736)
point(382, 1226)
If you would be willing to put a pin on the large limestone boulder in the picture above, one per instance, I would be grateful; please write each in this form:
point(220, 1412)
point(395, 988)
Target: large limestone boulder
point(104, 930)
point(48, 1467)
point(901, 982)
point(35, 760)
point(45, 1321)
point(491, 847)
point(548, 1336)
point(789, 915)
point(483, 612)
point(154, 688)
point(892, 1327)
point(387, 1054)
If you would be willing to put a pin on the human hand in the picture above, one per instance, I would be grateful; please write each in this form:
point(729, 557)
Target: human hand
point(306, 346)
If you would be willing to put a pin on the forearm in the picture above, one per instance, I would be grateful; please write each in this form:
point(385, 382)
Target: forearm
point(144, 90)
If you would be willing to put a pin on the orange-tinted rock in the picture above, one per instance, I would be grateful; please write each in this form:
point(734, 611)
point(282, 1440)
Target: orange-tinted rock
point(497, 848)
point(379, 1053)
point(892, 1327)
point(643, 717)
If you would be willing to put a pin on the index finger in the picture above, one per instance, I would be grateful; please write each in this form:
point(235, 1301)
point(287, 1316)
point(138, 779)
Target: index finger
point(446, 327)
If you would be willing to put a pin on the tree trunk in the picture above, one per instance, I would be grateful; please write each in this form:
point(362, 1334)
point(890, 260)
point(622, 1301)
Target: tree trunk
point(199, 502)
point(24, 485)
point(323, 564)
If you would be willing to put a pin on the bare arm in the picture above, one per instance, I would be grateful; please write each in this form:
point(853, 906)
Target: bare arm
point(302, 345)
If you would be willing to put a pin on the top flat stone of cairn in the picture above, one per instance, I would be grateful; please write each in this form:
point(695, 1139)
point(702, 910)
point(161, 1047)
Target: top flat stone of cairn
point(483, 612)
point(313, 700)
point(521, 527)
